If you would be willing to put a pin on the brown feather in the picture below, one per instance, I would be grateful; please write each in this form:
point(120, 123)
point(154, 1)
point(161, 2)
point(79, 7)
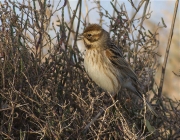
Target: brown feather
point(92, 27)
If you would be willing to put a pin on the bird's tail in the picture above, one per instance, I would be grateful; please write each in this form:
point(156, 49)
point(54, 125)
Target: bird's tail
point(147, 103)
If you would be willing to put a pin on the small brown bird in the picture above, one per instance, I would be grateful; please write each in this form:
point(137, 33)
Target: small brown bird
point(105, 64)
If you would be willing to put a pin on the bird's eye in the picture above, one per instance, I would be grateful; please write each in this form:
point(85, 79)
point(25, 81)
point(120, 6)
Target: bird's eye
point(89, 35)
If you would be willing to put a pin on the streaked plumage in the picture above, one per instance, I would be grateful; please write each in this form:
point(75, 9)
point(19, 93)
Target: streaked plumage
point(105, 64)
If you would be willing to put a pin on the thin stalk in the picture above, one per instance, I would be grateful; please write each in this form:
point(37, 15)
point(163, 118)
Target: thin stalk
point(167, 50)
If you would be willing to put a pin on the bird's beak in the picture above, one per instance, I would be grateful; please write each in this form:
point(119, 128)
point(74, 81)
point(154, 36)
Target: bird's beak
point(80, 36)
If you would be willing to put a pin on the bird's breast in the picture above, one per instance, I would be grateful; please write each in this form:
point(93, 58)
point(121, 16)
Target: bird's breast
point(101, 71)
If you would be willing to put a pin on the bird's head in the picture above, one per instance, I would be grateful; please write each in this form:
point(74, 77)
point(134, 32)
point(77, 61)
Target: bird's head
point(94, 36)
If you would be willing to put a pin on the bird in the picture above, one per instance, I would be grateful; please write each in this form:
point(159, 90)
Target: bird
point(105, 64)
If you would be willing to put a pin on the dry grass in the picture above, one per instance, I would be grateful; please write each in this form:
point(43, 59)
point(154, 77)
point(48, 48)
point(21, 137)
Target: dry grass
point(51, 97)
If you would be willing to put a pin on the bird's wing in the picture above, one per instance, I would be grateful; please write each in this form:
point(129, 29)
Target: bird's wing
point(115, 56)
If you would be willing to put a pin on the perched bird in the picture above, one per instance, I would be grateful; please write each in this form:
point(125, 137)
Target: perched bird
point(105, 64)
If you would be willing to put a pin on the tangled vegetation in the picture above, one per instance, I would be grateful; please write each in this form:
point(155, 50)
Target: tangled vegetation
point(45, 92)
